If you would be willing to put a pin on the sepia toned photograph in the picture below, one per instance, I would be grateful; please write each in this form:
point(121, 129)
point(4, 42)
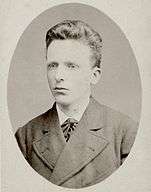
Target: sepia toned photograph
point(74, 96)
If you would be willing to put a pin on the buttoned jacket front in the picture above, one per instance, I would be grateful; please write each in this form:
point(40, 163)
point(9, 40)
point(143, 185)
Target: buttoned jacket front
point(98, 146)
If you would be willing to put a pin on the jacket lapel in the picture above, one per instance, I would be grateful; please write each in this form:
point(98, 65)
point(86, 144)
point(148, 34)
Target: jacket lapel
point(49, 146)
point(83, 146)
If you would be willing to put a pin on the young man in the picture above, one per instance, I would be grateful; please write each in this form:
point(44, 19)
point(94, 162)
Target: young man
point(78, 142)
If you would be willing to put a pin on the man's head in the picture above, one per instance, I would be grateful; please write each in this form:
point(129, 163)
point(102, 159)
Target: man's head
point(73, 60)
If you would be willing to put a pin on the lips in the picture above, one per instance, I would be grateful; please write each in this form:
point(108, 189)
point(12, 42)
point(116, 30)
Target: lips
point(60, 88)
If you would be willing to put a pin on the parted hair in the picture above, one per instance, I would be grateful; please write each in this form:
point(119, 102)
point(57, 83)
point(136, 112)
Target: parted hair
point(77, 30)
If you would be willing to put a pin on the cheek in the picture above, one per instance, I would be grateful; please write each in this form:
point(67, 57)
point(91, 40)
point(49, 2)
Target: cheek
point(50, 78)
point(86, 77)
point(82, 80)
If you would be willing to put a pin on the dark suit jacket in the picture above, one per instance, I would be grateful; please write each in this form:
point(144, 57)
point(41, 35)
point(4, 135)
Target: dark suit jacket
point(96, 149)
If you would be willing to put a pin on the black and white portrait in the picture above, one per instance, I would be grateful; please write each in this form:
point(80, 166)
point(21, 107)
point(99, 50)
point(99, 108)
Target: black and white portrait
point(74, 96)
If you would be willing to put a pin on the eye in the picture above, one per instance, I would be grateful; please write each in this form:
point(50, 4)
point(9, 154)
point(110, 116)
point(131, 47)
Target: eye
point(71, 65)
point(52, 65)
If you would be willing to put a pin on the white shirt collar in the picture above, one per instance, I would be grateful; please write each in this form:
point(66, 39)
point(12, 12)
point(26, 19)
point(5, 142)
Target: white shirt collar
point(77, 116)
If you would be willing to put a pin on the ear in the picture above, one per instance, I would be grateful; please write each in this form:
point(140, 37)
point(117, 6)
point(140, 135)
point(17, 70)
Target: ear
point(96, 74)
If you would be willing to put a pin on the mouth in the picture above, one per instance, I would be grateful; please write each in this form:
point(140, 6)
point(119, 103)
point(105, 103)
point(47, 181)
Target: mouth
point(60, 90)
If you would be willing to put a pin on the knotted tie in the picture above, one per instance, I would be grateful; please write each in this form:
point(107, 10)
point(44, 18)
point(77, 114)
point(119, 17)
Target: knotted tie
point(68, 127)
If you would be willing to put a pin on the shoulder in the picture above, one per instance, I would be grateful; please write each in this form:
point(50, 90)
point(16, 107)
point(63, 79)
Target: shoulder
point(115, 119)
point(35, 124)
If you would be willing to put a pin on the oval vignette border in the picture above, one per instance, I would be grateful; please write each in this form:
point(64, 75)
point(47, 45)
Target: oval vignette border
point(25, 62)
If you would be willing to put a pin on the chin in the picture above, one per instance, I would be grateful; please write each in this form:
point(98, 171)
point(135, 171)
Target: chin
point(63, 101)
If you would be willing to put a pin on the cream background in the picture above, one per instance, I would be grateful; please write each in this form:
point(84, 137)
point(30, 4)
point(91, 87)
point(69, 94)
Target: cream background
point(133, 17)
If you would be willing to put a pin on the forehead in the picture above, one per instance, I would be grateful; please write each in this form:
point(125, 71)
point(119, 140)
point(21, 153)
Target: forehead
point(68, 49)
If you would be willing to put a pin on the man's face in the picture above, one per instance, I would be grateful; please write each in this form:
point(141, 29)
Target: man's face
point(69, 70)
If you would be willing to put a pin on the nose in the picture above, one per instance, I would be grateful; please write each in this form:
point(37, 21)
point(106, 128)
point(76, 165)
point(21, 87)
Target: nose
point(60, 74)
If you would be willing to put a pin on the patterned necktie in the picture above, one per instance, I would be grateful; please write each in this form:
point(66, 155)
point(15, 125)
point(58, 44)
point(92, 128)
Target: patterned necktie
point(68, 127)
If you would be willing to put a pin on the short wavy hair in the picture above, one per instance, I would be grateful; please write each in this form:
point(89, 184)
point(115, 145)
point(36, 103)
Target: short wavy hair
point(77, 30)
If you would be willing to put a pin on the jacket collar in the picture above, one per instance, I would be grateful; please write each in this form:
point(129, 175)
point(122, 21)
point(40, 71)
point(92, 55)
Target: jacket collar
point(50, 140)
point(87, 141)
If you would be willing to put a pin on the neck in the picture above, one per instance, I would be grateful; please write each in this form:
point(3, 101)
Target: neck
point(75, 107)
